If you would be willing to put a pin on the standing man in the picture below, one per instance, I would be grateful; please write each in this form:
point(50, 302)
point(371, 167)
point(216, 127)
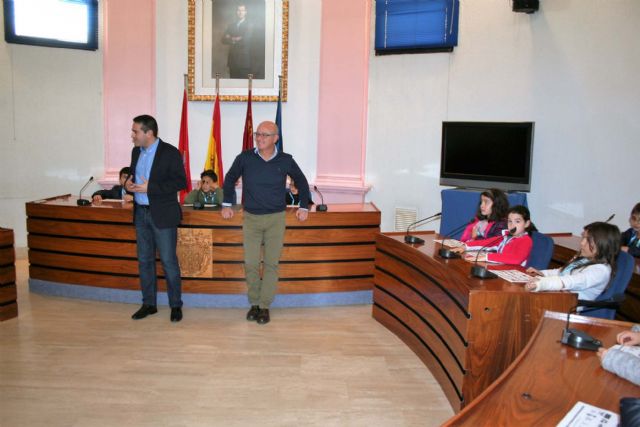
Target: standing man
point(264, 173)
point(239, 37)
point(158, 175)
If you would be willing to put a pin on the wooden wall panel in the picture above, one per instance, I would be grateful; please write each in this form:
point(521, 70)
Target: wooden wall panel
point(8, 294)
point(95, 246)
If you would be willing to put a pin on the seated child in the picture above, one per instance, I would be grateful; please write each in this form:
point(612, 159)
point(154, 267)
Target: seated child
point(208, 191)
point(490, 218)
point(292, 198)
point(515, 245)
point(590, 271)
point(631, 237)
point(621, 362)
point(117, 191)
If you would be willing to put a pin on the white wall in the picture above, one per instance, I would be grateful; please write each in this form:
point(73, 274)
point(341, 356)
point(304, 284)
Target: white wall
point(50, 125)
point(571, 67)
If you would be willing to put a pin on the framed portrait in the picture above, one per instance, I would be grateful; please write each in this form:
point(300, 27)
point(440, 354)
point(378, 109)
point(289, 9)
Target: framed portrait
point(234, 39)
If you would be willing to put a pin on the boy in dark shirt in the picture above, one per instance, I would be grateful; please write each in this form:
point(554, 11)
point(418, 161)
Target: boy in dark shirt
point(117, 191)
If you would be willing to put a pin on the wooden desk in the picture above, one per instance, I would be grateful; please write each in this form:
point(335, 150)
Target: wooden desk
point(565, 247)
point(548, 378)
point(8, 295)
point(467, 331)
point(96, 246)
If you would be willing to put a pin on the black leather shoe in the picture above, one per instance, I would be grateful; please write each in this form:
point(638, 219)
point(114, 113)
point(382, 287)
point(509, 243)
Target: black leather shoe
point(252, 314)
point(263, 316)
point(144, 311)
point(176, 314)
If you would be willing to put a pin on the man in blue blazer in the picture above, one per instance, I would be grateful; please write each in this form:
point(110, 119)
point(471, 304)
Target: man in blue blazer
point(157, 174)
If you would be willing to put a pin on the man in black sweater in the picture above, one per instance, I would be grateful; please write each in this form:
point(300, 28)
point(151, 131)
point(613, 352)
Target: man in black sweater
point(264, 173)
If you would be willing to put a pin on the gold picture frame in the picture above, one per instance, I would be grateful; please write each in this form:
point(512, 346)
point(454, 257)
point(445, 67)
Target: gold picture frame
point(211, 26)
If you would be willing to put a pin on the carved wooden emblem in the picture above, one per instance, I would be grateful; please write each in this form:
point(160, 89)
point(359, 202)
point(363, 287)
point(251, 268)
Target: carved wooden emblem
point(195, 252)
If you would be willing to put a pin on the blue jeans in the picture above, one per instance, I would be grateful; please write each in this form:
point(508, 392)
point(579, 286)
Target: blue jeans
point(149, 237)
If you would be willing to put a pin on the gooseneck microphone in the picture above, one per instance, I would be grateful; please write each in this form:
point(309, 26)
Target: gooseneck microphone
point(446, 253)
point(81, 201)
point(414, 239)
point(321, 207)
point(480, 271)
point(579, 339)
point(610, 218)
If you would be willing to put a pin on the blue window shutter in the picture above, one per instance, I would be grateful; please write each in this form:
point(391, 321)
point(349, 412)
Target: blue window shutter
point(416, 25)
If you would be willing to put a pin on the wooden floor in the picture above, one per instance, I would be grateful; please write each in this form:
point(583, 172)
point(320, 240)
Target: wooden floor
point(67, 362)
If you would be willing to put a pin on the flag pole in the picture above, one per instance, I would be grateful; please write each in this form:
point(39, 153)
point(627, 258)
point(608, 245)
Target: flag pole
point(217, 84)
point(250, 80)
point(186, 82)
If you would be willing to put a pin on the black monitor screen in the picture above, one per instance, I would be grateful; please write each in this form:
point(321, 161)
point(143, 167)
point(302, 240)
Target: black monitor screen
point(485, 154)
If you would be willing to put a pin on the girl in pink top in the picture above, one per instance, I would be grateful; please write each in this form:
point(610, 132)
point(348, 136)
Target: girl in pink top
point(490, 219)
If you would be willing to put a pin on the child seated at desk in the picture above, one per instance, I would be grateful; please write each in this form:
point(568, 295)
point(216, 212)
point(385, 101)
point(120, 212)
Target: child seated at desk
point(292, 198)
point(117, 191)
point(620, 360)
point(490, 218)
point(631, 237)
point(515, 245)
point(590, 271)
point(208, 191)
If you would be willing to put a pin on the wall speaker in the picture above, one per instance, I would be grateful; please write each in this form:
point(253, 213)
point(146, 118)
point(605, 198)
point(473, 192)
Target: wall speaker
point(526, 6)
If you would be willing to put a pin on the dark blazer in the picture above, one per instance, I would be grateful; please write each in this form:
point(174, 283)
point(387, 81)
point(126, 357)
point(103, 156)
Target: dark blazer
point(166, 179)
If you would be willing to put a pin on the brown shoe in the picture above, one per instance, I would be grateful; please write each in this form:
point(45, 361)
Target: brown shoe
point(252, 315)
point(263, 316)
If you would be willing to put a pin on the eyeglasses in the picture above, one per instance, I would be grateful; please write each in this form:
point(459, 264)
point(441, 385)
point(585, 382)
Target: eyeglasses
point(264, 135)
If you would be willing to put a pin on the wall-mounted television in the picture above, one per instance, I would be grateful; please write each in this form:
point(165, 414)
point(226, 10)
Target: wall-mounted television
point(487, 155)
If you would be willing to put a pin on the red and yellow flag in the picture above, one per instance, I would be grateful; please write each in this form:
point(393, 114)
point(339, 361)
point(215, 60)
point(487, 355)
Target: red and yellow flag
point(214, 152)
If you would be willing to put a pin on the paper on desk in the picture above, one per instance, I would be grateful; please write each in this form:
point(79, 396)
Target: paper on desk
point(585, 415)
point(513, 276)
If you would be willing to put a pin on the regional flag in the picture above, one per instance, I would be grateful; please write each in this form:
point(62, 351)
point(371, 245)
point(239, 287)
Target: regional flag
point(183, 147)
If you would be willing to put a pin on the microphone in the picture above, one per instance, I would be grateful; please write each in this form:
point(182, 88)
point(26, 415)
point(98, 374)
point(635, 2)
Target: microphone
point(416, 240)
point(483, 272)
point(579, 339)
point(610, 218)
point(81, 201)
point(448, 253)
point(321, 207)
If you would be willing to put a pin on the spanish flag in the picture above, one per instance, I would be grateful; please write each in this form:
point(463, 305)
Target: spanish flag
point(214, 152)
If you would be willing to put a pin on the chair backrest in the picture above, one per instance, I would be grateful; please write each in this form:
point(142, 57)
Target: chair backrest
point(619, 283)
point(541, 251)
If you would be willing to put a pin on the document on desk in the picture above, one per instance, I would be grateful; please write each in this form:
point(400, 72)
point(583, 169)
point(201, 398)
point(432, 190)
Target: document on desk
point(513, 276)
point(585, 415)
point(452, 243)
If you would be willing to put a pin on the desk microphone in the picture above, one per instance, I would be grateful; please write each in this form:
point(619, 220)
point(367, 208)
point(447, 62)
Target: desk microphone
point(579, 339)
point(480, 271)
point(321, 207)
point(81, 201)
point(414, 239)
point(443, 252)
point(610, 218)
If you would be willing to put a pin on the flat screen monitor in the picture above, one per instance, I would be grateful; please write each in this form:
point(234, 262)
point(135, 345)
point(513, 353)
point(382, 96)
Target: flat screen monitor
point(487, 155)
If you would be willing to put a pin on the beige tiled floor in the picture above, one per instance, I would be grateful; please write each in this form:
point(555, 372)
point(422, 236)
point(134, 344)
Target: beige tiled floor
point(67, 362)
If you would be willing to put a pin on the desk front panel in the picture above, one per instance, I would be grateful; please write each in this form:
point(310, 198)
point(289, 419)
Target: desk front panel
point(548, 378)
point(95, 246)
point(8, 292)
point(467, 331)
